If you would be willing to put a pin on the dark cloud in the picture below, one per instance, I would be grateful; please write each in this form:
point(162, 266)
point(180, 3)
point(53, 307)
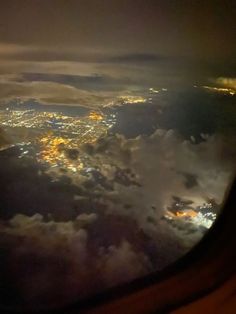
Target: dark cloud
point(191, 180)
point(193, 112)
point(4, 139)
point(85, 263)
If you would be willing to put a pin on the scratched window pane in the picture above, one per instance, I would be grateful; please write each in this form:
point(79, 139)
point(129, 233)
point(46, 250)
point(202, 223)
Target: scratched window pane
point(117, 142)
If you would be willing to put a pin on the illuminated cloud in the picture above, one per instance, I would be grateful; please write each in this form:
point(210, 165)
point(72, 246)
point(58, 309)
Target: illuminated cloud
point(52, 93)
point(123, 262)
point(67, 256)
point(121, 235)
point(227, 82)
point(160, 164)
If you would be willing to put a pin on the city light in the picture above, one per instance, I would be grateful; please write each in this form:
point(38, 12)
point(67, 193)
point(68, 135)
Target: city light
point(132, 99)
point(152, 90)
point(186, 213)
point(202, 215)
point(58, 136)
point(95, 116)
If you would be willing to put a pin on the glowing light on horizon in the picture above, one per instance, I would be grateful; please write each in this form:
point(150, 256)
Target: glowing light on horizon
point(228, 82)
point(152, 90)
point(220, 89)
point(132, 99)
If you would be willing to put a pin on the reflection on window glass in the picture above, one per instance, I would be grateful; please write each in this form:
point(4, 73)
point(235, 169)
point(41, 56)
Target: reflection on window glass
point(113, 162)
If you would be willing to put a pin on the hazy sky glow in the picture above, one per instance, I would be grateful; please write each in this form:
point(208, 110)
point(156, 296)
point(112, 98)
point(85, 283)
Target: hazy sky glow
point(112, 47)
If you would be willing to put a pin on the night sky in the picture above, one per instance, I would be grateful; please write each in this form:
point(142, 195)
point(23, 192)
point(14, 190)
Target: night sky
point(117, 45)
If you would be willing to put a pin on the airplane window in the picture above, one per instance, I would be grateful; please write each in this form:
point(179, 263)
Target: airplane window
point(116, 147)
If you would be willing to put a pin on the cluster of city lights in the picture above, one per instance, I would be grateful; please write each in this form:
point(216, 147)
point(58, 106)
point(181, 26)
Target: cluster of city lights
point(53, 152)
point(57, 134)
point(195, 216)
point(132, 99)
point(96, 116)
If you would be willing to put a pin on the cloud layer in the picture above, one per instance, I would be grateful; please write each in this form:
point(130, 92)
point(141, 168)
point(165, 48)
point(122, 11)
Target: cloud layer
point(119, 233)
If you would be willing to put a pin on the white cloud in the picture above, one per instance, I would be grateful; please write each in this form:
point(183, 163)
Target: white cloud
point(159, 163)
point(123, 262)
point(52, 93)
point(62, 255)
point(72, 255)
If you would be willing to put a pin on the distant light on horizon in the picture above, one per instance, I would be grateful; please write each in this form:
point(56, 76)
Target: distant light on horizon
point(133, 99)
point(220, 89)
point(152, 90)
